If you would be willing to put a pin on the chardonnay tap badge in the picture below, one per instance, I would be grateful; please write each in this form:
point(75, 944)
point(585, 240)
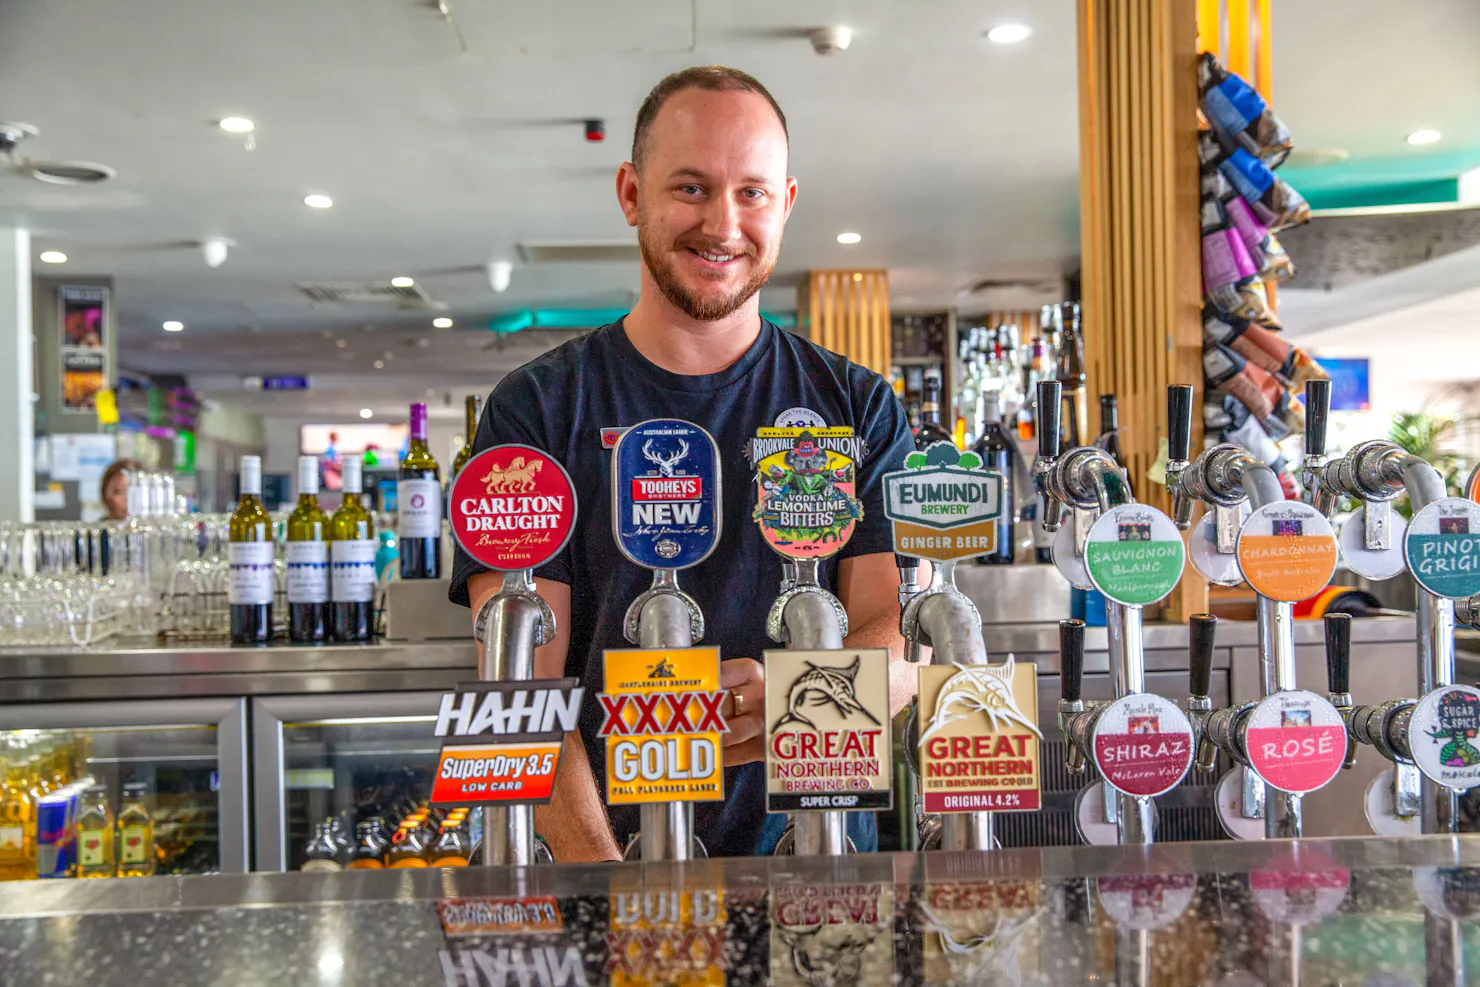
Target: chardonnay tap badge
point(665, 494)
point(512, 507)
point(806, 486)
point(943, 505)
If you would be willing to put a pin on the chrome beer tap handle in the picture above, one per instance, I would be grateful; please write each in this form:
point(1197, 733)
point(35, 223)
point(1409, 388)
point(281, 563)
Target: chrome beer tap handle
point(1338, 676)
point(1200, 628)
point(1317, 414)
point(1179, 451)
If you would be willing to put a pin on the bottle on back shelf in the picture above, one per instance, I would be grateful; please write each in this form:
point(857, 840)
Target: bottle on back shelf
point(95, 835)
point(249, 557)
point(322, 852)
point(998, 451)
point(409, 845)
point(453, 847)
point(308, 559)
point(352, 562)
point(931, 429)
point(472, 407)
point(419, 504)
point(136, 856)
point(369, 850)
point(17, 824)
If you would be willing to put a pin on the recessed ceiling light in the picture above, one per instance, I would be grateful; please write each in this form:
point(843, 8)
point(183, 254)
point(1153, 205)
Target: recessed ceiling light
point(849, 237)
point(366, 413)
point(1009, 34)
point(379, 364)
point(173, 326)
point(1424, 136)
point(423, 343)
point(53, 257)
point(340, 343)
point(442, 323)
point(237, 125)
point(402, 282)
point(317, 201)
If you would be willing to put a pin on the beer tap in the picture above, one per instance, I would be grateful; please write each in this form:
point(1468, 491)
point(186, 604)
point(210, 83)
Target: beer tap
point(1338, 676)
point(1200, 629)
point(1313, 461)
point(1090, 482)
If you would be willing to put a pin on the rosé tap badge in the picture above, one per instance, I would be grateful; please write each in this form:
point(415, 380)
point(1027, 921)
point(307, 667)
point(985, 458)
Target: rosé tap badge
point(512, 507)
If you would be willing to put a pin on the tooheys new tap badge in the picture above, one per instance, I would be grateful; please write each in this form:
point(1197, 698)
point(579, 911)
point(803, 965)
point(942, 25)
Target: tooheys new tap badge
point(665, 494)
point(806, 483)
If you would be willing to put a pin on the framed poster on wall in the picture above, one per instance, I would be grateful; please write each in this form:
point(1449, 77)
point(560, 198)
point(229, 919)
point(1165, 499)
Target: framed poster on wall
point(83, 310)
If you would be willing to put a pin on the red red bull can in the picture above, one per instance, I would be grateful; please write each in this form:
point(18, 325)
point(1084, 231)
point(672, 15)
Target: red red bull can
point(56, 834)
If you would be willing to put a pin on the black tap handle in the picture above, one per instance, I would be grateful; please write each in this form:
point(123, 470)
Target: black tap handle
point(1071, 656)
point(1050, 394)
point(1317, 413)
point(1338, 652)
point(1179, 421)
point(1200, 628)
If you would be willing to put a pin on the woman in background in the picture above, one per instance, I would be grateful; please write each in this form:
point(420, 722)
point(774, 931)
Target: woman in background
point(115, 487)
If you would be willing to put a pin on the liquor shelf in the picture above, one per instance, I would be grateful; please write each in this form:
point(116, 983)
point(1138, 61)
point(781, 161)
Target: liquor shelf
point(1351, 911)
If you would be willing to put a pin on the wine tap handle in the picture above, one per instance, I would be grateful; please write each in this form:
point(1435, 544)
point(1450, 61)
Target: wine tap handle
point(1050, 395)
point(1071, 657)
point(1317, 414)
point(1338, 652)
point(1179, 422)
point(1200, 630)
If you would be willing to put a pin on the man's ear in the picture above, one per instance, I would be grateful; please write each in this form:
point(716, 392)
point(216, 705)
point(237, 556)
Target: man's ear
point(627, 191)
point(791, 197)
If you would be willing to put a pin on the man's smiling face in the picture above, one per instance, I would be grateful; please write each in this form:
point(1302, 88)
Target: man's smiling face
point(712, 199)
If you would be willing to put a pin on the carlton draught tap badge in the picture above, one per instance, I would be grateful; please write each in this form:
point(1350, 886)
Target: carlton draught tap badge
point(663, 726)
point(502, 741)
point(828, 743)
point(943, 505)
point(512, 507)
point(665, 494)
point(979, 748)
point(806, 480)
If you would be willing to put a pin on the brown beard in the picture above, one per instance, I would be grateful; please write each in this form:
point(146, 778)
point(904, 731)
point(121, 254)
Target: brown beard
point(673, 288)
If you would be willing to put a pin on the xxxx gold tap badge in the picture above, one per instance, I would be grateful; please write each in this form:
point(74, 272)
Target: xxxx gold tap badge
point(665, 935)
point(943, 505)
point(806, 483)
point(663, 723)
point(979, 737)
point(831, 934)
point(827, 720)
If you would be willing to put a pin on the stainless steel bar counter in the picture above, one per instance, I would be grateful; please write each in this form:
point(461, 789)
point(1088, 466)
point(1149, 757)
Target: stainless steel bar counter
point(1349, 911)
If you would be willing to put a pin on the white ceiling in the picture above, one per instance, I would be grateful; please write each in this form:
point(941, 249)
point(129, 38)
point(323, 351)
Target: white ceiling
point(955, 159)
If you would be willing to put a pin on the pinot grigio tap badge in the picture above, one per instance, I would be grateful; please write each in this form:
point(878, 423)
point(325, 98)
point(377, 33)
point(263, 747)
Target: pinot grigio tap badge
point(665, 494)
point(943, 505)
point(663, 722)
point(501, 741)
point(1143, 744)
point(979, 742)
point(1443, 548)
point(806, 485)
point(827, 730)
point(512, 507)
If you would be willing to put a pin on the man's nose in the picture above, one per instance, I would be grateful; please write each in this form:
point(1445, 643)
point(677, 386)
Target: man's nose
point(722, 219)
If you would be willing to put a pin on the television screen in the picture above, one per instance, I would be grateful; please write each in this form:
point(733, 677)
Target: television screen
point(383, 442)
point(1349, 383)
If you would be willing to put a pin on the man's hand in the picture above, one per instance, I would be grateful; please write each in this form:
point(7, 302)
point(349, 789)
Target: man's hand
point(746, 739)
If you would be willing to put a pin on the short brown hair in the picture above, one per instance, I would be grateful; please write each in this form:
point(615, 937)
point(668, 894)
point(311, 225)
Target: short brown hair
point(712, 78)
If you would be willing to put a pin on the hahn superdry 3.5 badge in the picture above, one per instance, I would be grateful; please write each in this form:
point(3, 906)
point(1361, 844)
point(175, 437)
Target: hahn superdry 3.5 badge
point(806, 489)
point(827, 723)
point(979, 743)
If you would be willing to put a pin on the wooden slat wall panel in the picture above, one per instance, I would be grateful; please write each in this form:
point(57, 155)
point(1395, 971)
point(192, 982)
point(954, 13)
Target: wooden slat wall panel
point(1139, 223)
point(848, 313)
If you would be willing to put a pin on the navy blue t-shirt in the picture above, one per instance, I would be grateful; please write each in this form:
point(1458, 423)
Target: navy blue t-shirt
point(561, 402)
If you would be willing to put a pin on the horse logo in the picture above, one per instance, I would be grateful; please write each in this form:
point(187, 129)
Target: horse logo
point(517, 477)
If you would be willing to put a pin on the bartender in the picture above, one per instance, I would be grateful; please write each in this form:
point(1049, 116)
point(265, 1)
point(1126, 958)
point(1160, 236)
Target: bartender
point(708, 192)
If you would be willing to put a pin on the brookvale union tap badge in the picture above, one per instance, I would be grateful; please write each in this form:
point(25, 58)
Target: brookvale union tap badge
point(806, 485)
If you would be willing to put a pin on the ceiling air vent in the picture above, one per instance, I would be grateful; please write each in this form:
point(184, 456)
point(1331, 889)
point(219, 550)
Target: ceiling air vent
point(365, 292)
point(620, 252)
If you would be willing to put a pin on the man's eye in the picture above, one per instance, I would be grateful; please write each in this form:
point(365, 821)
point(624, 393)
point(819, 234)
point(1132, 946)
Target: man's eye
point(753, 193)
point(690, 189)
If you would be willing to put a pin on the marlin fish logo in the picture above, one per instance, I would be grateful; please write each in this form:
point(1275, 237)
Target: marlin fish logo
point(979, 689)
point(822, 685)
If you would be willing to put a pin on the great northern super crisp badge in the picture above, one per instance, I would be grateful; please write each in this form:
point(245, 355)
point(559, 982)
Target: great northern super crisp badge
point(806, 482)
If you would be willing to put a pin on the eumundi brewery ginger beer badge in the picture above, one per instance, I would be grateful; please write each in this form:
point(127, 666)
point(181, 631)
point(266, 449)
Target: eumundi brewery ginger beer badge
point(979, 739)
point(943, 505)
point(663, 723)
point(827, 728)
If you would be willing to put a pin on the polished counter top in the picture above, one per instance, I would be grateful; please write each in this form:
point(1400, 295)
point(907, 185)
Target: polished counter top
point(1370, 911)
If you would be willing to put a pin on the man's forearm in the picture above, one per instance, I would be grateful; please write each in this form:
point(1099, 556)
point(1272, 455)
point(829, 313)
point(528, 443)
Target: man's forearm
point(883, 632)
point(574, 822)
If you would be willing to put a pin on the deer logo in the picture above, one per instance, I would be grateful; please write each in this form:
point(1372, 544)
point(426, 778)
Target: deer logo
point(517, 477)
point(664, 463)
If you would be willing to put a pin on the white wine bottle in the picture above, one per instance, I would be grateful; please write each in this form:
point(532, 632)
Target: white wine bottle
point(419, 504)
point(352, 561)
point(249, 558)
point(308, 559)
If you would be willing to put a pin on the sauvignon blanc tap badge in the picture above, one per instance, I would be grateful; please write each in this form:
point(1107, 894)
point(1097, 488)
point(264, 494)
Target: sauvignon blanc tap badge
point(512, 507)
point(666, 494)
point(806, 483)
point(501, 741)
point(943, 505)
point(1134, 554)
point(979, 742)
point(663, 723)
point(827, 730)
